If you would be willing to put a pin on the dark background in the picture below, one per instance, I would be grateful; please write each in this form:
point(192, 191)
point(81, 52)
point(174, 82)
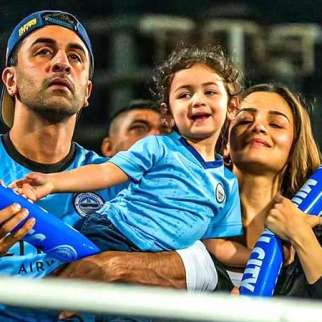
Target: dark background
point(127, 45)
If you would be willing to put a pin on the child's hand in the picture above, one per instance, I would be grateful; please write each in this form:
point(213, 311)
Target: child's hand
point(34, 186)
point(235, 291)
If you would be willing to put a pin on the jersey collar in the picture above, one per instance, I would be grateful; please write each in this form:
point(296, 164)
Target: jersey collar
point(36, 166)
point(218, 162)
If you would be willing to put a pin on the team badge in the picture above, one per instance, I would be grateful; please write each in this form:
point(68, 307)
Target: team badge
point(220, 193)
point(87, 202)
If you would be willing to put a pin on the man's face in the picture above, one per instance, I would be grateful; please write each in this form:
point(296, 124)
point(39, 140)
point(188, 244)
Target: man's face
point(130, 127)
point(52, 73)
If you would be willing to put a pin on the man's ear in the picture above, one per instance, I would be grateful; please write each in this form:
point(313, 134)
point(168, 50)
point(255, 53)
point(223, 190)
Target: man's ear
point(9, 80)
point(89, 89)
point(107, 147)
point(233, 107)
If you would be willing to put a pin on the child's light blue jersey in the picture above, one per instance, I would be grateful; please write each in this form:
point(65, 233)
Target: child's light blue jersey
point(23, 259)
point(175, 197)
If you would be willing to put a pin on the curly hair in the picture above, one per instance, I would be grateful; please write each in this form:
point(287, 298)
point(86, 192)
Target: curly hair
point(184, 57)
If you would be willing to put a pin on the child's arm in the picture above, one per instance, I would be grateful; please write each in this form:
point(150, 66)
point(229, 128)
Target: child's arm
point(90, 177)
point(230, 253)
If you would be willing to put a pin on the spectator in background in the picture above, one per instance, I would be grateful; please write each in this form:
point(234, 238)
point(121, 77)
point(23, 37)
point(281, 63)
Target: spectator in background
point(130, 124)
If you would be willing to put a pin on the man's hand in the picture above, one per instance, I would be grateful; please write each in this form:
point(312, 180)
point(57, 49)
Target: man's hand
point(10, 217)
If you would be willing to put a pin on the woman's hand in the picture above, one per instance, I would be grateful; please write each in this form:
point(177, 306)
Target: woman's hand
point(287, 221)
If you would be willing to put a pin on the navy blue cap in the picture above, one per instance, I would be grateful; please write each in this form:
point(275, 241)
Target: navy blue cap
point(26, 26)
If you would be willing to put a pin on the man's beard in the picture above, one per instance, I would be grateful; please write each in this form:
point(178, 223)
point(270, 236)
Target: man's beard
point(52, 115)
point(54, 112)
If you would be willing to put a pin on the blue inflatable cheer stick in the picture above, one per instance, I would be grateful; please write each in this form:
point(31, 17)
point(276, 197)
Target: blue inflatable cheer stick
point(49, 233)
point(266, 260)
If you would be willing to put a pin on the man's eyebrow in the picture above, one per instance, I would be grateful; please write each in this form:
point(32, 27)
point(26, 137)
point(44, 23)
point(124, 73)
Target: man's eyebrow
point(76, 46)
point(51, 41)
point(44, 40)
point(139, 121)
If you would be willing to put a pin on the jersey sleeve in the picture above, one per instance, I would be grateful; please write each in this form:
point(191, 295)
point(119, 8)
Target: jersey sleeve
point(139, 159)
point(227, 223)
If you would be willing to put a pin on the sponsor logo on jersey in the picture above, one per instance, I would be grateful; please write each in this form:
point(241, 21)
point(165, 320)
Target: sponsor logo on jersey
point(87, 202)
point(220, 193)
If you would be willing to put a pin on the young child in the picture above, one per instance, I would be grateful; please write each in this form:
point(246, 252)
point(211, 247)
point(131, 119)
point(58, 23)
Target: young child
point(179, 190)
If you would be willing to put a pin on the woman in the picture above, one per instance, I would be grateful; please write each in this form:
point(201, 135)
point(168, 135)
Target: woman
point(273, 151)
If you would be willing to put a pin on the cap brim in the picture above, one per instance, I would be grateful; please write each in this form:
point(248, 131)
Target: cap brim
point(7, 108)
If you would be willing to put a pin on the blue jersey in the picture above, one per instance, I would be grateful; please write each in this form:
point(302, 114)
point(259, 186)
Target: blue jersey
point(22, 258)
point(174, 198)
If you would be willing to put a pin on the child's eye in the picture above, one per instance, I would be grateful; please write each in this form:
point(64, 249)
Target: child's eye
point(184, 95)
point(210, 92)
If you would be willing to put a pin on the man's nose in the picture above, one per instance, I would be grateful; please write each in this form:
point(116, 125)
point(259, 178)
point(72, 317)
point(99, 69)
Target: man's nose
point(61, 63)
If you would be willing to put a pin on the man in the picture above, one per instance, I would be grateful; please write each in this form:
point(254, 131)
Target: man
point(47, 78)
point(130, 124)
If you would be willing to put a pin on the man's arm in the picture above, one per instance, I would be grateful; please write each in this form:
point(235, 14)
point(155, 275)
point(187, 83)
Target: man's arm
point(163, 269)
point(190, 268)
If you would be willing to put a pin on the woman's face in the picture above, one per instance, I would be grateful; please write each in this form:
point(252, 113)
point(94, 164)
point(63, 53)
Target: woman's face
point(262, 133)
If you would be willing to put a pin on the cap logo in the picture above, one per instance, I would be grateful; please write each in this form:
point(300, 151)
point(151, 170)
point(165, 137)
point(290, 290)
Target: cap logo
point(59, 22)
point(27, 26)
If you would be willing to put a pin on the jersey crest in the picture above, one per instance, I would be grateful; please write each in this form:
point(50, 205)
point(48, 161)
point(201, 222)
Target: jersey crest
point(87, 202)
point(220, 193)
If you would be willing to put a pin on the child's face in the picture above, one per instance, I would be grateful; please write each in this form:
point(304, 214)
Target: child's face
point(198, 102)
